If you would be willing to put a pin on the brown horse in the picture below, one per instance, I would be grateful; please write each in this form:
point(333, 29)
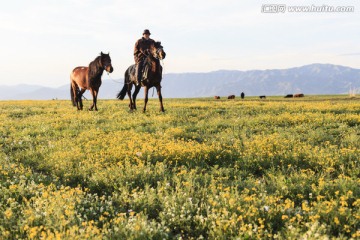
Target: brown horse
point(152, 75)
point(89, 78)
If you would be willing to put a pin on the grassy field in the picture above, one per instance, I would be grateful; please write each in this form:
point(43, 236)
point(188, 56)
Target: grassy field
point(204, 169)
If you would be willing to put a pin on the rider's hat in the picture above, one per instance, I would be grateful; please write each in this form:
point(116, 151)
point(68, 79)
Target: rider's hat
point(146, 31)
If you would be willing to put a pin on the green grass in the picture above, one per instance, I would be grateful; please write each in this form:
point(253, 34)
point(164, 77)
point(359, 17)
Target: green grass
point(217, 169)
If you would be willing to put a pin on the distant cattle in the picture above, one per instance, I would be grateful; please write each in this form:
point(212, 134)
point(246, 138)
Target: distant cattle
point(242, 95)
point(262, 97)
point(231, 97)
point(216, 97)
point(289, 96)
point(299, 95)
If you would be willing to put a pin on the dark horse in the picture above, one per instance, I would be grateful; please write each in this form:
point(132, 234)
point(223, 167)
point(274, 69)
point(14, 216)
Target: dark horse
point(152, 75)
point(89, 78)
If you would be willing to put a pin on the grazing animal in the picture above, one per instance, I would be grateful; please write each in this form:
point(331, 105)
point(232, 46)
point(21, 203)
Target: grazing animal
point(298, 95)
point(216, 97)
point(262, 97)
point(151, 77)
point(89, 78)
point(242, 95)
point(289, 96)
point(231, 97)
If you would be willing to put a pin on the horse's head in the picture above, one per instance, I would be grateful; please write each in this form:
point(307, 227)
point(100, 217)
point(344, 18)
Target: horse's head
point(106, 62)
point(157, 51)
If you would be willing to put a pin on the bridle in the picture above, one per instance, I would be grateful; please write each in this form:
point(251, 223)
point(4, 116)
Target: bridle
point(157, 52)
point(105, 65)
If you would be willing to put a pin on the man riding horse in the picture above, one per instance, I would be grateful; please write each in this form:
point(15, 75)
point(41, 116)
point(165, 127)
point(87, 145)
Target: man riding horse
point(141, 50)
point(147, 54)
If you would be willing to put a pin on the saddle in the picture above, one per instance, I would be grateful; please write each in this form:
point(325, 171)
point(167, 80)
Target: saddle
point(148, 70)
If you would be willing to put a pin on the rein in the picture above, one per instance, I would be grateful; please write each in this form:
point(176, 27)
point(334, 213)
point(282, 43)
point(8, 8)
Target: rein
point(113, 79)
point(104, 69)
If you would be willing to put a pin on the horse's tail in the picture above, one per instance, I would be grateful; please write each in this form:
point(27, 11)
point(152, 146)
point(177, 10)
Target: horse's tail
point(122, 93)
point(72, 95)
point(72, 90)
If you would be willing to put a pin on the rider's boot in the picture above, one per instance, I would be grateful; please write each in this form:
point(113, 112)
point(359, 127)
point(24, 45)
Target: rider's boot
point(138, 74)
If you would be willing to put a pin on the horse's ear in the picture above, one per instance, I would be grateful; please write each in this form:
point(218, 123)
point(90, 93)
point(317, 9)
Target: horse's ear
point(101, 53)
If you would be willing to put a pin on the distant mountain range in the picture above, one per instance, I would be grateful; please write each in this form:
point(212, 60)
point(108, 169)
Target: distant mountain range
point(309, 79)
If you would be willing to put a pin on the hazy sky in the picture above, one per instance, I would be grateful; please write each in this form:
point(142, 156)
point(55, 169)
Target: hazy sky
point(42, 41)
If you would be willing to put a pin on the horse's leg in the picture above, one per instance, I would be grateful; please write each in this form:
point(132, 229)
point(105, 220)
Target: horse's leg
point(137, 89)
point(79, 99)
point(96, 92)
point(93, 95)
point(158, 89)
point(131, 105)
point(146, 89)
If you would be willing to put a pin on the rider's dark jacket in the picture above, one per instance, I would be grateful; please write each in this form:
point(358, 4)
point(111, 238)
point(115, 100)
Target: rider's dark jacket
point(140, 48)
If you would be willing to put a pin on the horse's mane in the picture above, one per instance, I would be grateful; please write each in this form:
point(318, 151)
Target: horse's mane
point(95, 70)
